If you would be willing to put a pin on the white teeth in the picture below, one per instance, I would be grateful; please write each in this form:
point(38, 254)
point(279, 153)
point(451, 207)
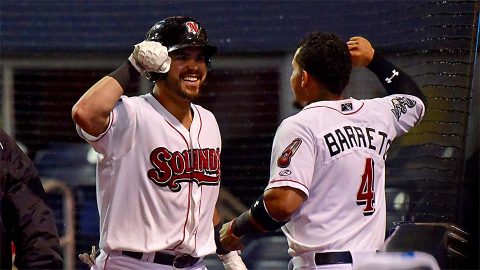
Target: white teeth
point(190, 78)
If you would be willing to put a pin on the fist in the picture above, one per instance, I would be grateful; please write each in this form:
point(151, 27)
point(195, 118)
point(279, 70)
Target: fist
point(150, 56)
point(361, 51)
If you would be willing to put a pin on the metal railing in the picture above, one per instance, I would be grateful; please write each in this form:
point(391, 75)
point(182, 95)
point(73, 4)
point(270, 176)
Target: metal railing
point(67, 241)
point(229, 207)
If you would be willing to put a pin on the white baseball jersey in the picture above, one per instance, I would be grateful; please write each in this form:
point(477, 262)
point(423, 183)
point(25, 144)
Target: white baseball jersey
point(157, 182)
point(335, 151)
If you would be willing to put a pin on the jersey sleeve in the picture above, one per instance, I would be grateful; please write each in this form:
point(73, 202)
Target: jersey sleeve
point(118, 139)
point(293, 157)
point(405, 111)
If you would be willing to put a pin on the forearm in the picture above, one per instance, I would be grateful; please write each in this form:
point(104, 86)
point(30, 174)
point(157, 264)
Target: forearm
point(395, 80)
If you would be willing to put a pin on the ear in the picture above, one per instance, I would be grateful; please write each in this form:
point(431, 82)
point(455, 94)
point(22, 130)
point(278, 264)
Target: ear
point(305, 78)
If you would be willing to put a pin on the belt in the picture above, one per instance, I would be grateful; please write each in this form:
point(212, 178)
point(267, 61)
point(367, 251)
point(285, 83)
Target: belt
point(333, 257)
point(179, 261)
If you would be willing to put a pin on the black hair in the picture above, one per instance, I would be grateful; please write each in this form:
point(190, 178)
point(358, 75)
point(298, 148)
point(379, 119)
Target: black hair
point(327, 58)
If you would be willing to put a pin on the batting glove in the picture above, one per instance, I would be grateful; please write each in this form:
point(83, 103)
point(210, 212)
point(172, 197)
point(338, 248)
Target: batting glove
point(232, 261)
point(150, 56)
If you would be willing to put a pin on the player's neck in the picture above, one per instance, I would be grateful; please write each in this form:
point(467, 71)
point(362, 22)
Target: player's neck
point(325, 94)
point(180, 108)
point(321, 94)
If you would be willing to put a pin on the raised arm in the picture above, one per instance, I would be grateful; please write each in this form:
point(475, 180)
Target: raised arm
point(395, 80)
point(92, 110)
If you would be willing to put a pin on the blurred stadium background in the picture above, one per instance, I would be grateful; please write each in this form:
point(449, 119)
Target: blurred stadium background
point(53, 51)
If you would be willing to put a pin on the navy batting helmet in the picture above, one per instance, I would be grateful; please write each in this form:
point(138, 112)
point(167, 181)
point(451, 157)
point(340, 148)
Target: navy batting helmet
point(177, 33)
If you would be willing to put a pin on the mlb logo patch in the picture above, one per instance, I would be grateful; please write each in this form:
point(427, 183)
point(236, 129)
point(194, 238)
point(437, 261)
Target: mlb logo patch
point(346, 107)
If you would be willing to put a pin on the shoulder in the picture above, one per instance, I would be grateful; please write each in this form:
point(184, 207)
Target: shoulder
point(400, 104)
point(5, 139)
point(132, 100)
point(7, 145)
point(295, 125)
point(392, 100)
point(295, 120)
point(130, 105)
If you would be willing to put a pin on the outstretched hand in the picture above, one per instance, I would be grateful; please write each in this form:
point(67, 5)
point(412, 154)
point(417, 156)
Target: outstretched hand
point(361, 51)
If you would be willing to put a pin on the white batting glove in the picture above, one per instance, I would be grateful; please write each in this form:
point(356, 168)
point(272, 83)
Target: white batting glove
point(150, 56)
point(232, 261)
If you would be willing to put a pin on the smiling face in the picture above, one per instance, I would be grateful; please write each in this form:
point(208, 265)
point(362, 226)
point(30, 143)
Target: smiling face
point(187, 73)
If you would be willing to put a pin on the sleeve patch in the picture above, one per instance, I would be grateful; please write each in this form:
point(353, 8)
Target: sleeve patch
point(401, 105)
point(287, 154)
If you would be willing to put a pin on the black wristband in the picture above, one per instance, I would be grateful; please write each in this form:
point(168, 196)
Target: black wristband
point(241, 225)
point(124, 74)
point(245, 223)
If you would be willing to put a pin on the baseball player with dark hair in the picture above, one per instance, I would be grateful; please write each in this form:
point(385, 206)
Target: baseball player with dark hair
point(327, 170)
point(26, 220)
point(159, 168)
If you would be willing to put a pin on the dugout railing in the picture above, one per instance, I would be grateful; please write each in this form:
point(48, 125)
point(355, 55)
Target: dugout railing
point(67, 239)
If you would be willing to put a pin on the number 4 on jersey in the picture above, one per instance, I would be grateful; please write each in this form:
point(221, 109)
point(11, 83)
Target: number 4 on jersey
point(366, 193)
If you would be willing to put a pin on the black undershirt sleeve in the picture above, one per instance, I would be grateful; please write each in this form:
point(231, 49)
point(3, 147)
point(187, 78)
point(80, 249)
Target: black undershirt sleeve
point(395, 80)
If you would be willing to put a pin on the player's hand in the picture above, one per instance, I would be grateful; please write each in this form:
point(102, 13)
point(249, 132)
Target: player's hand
point(361, 51)
point(228, 240)
point(232, 261)
point(150, 56)
point(89, 259)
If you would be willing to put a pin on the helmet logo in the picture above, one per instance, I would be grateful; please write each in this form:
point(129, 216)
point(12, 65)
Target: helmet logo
point(192, 27)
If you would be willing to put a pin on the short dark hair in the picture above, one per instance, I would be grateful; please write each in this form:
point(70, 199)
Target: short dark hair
point(327, 58)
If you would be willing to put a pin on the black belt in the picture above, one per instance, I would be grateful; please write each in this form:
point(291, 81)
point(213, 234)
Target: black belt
point(179, 261)
point(333, 257)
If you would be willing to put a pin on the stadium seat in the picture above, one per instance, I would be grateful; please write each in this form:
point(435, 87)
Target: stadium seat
point(72, 163)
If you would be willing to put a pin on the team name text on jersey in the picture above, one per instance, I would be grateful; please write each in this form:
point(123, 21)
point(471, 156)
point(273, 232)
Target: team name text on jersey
point(193, 165)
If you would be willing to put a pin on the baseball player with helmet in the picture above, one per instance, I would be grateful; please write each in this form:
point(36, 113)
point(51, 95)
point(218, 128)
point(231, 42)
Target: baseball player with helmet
point(158, 173)
point(327, 170)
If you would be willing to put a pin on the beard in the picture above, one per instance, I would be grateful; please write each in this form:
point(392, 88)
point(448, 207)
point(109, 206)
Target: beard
point(188, 92)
